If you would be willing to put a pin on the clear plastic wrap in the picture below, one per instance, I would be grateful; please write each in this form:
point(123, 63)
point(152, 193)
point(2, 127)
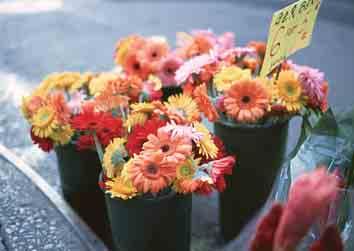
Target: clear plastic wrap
point(327, 141)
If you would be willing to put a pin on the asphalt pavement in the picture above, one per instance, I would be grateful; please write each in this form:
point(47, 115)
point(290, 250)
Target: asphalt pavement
point(80, 36)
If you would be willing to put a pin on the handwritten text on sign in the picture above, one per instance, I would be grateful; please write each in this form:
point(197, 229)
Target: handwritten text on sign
point(291, 29)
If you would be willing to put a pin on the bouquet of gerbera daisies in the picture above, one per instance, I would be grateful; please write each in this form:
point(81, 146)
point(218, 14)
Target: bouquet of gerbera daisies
point(163, 146)
point(142, 56)
point(66, 105)
point(227, 86)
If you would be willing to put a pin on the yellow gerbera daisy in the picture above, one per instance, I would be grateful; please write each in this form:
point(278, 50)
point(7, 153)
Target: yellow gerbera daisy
point(62, 135)
point(228, 75)
point(288, 91)
point(184, 182)
point(184, 106)
point(142, 107)
point(187, 169)
point(119, 188)
point(122, 49)
point(43, 88)
point(97, 84)
point(83, 80)
point(125, 170)
point(134, 119)
point(113, 158)
point(44, 122)
point(206, 144)
point(63, 80)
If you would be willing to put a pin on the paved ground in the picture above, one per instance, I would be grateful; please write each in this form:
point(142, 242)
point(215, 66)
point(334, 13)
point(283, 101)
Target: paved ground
point(80, 36)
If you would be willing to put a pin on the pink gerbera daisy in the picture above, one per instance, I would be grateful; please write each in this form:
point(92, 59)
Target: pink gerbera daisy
point(194, 65)
point(168, 68)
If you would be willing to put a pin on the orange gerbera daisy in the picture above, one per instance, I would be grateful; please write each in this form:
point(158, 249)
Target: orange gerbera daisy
point(259, 46)
point(112, 96)
point(199, 46)
point(134, 66)
point(174, 149)
point(246, 100)
point(58, 102)
point(204, 103)
point(149, 172)
point(30, 105)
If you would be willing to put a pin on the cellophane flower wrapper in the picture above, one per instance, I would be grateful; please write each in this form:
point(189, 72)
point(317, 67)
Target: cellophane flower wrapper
point(327, 141)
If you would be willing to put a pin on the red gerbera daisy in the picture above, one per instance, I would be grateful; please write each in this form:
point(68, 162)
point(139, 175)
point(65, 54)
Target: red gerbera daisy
point(43, 143)
point(87, 120)
point(85, 142)
point(109, 128)
point(139, 135)
point(204, 188)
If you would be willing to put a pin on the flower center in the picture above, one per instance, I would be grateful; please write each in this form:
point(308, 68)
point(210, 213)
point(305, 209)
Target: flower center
point(44, 117)
point(290, 89)
point(170, 71)
point(154, 54)
point(165, 148)
point(92, 124)
point(246, 99)
point(185, 170)
point(136, 66)
point(151, 168)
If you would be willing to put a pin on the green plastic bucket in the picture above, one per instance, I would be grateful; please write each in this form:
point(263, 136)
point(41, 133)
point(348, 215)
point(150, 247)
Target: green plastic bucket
point(151, 224)
point(259, 151)
point(79, 172)
point(169, 91)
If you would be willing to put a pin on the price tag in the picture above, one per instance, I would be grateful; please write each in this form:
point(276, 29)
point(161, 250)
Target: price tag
point(291, 30)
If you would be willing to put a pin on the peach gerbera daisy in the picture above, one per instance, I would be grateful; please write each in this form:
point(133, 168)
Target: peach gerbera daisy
point(133, 65)
point(150, 173)
point(174, 149)
point(246, 100)
point(288, 91)
point(204, 104)
point(154, 50)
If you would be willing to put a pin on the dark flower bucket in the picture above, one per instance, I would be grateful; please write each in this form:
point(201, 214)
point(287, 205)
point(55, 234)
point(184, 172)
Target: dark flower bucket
point(169, 91)
point(260, 151)
point(151, 224)
point(79, 172)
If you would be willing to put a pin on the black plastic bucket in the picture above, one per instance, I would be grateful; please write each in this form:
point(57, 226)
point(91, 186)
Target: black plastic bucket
point(259, 151)
point(79, 172)
point(151, 224)
point(169, 91)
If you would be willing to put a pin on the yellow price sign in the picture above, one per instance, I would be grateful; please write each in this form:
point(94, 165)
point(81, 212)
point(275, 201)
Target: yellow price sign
point(291, 30)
